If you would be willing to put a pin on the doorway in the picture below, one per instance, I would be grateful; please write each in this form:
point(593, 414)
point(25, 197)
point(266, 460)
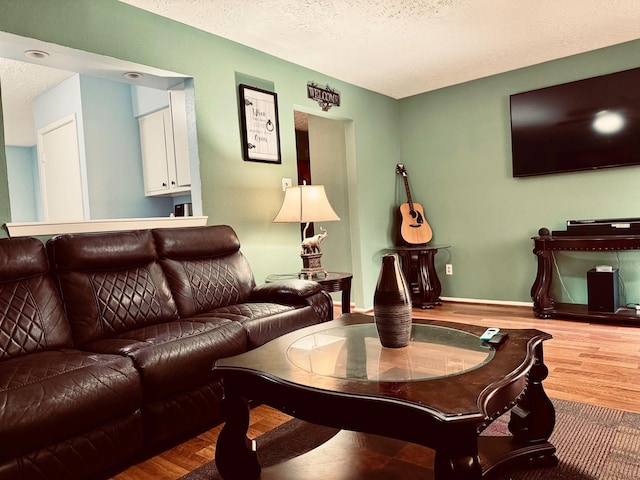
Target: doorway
point(321, 145)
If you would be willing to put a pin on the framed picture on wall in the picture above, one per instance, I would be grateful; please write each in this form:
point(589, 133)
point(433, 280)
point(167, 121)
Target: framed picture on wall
point(259, 125)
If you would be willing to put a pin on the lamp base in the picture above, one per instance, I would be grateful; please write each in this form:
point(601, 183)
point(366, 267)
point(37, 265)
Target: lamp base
point(311, 266)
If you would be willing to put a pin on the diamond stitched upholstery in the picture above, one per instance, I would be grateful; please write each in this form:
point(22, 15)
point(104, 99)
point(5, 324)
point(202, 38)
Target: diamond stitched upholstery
point(18, 336)
point(204, 267)
point(50, 393)
point(121, 286)
point(126, 299)
point(209, 276)
point(130, 297)
point(31, 315)
point(322, 304)
point(213, 283)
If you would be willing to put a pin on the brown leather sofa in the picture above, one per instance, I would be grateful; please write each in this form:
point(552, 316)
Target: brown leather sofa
point(107, 343)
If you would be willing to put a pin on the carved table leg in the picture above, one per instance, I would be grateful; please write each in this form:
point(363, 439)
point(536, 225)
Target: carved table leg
point(235, 457)
point(418, 267)
point(533, 419)
point(429, 281)
point(542, 300)
point(458, 459)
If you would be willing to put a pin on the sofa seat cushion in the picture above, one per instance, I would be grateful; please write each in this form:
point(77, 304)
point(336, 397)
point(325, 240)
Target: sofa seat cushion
point(50, 396)
point(176, 356)
point(265, 321)
point(250, 311)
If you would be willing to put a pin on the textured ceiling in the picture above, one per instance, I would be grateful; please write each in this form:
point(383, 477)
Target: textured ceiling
point(22, 82)
point(405, 47)
point(395, 47)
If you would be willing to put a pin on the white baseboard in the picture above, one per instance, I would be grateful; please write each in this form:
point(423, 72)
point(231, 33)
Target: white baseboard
point(487, 302)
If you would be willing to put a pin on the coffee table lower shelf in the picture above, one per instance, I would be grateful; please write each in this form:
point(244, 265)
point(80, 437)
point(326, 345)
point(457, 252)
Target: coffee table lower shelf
point(362, 456)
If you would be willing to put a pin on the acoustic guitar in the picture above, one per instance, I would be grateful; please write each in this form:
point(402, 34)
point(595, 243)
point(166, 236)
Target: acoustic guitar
point(414, 228)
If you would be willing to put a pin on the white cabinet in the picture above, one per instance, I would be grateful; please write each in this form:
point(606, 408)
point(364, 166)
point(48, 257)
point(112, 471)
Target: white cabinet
point(165, 151)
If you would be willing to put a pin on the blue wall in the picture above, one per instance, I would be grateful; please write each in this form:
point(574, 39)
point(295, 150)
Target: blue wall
point(109, 142)
point(114, 163)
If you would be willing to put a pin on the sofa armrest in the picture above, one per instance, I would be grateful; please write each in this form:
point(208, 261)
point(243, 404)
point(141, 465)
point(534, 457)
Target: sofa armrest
point(295, 291)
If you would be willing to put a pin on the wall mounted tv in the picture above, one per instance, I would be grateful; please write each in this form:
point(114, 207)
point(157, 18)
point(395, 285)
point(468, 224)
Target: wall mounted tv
point(582, 125)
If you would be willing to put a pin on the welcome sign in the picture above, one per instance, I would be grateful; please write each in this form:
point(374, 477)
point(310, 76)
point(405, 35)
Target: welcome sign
point(326, 97)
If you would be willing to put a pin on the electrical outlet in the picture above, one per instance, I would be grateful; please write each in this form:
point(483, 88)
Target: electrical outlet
point(286, 182)
point(448, 269)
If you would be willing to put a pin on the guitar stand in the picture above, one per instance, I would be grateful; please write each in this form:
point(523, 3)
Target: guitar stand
point(418, 267)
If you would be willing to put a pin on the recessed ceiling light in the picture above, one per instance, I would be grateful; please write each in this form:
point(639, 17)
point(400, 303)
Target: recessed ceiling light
point(36, 54)
point(132, 75)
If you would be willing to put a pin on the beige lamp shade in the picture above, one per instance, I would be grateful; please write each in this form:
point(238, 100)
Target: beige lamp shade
point(305, 203)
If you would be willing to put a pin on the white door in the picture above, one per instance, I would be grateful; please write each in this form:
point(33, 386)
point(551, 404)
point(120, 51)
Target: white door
point(59, 168)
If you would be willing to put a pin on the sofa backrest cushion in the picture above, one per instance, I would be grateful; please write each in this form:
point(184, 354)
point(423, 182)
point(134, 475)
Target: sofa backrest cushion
point(205, 267)
point(31, 314)
point(110, 283)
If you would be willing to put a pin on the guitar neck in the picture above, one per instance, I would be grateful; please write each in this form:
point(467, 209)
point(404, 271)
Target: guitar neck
point(406, 187)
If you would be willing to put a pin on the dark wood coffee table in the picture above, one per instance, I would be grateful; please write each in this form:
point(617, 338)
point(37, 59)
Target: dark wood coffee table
point(441, 391)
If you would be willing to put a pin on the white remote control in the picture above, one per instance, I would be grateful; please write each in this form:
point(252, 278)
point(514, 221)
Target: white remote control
point(488, 333)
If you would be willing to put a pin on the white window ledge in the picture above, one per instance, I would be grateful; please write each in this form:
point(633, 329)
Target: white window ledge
point(34, 229)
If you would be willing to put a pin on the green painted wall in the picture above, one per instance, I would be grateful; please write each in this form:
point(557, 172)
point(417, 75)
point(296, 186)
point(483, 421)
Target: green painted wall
point(456, 145)
point(245, 195)
point(454, 141)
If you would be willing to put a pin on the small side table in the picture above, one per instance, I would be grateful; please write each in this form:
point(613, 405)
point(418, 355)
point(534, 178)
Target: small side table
point(418, 267)
point(332, 282)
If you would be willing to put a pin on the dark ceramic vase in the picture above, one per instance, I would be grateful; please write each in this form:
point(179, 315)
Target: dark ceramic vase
point(392, 304)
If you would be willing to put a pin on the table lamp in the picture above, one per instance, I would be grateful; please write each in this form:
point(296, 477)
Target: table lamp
point(306, 204)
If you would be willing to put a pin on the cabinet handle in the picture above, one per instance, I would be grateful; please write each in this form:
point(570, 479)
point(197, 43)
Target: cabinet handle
point(173, 183)
point(164, 184)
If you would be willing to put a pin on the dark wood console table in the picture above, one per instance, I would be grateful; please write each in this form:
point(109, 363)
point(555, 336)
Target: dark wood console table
point(544, 305)
point(418, 267)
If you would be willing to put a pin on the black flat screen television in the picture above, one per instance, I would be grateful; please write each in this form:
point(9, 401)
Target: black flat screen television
point(582, 125)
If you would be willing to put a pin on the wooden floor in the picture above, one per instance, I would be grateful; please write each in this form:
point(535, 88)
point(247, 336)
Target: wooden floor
point(590, 363)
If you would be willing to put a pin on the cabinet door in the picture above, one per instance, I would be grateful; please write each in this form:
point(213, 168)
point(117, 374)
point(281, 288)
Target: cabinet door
point(181, 144)
point(156, 140)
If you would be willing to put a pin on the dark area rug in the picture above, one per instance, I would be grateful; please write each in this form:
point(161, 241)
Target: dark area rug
point(593, 443)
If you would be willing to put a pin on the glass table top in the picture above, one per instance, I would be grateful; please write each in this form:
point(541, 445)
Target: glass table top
point(354, 352)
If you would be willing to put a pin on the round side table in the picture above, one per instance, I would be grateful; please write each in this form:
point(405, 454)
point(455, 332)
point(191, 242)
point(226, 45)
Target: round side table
point(418, 267)
point(332, 282)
